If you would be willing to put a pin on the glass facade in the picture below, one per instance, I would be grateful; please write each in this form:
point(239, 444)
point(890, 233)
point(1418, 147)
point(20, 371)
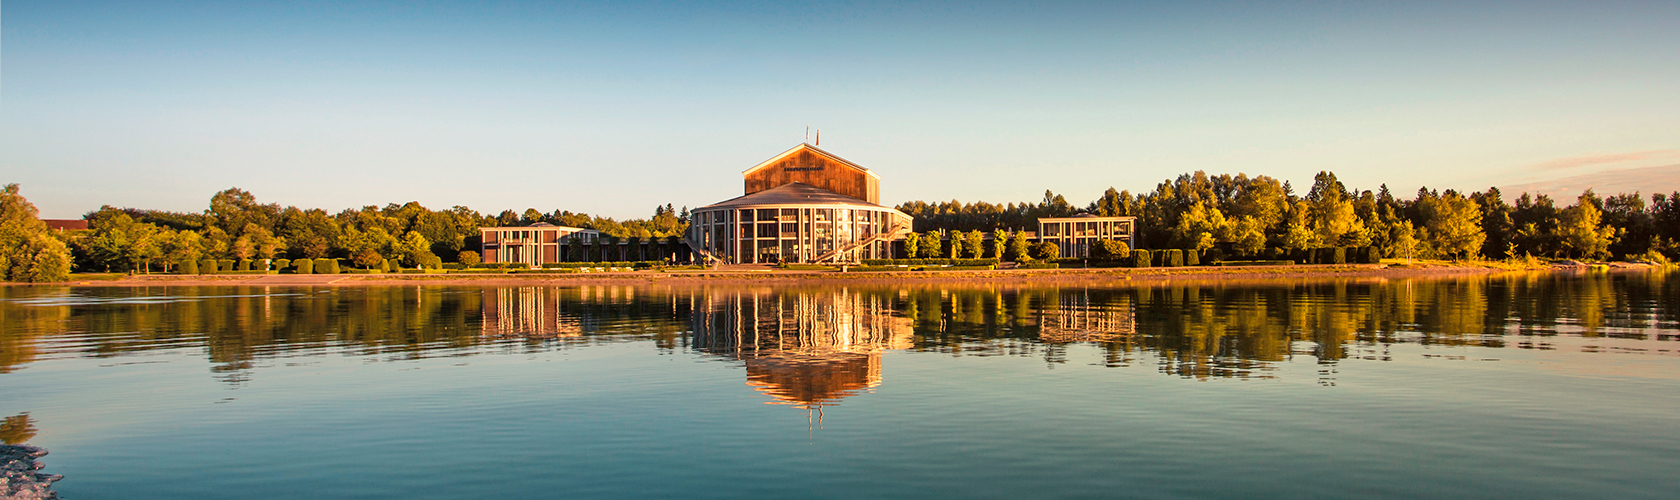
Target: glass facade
point(797, 234)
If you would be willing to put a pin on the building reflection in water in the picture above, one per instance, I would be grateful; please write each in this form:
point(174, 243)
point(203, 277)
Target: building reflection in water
point(806, 349)
point(1075, 317)
point(528, 312)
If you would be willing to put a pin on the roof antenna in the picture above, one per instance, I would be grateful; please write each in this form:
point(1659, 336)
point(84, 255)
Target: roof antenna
point(807, 134)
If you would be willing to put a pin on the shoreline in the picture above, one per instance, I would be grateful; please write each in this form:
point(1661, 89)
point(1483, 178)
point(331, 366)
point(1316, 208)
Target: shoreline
point(762, 277)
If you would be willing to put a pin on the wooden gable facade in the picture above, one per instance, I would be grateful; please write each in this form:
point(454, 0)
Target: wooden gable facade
point(807, 164)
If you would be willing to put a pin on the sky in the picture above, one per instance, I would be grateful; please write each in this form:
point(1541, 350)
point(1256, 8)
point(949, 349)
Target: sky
point(614, 108)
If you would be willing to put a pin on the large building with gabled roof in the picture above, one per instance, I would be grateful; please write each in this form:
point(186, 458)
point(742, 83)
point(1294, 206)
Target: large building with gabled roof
point(804, 205)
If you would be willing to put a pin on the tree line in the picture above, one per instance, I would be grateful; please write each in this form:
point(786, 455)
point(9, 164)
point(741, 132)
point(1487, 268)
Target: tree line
point(235, 226)
point(1254, 216)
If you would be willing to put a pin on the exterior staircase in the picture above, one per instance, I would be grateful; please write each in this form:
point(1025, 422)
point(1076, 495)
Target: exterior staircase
point(890, 234)
point(707, 258)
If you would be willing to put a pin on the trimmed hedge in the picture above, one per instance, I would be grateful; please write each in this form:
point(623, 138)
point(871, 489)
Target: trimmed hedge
point(1040, 265)
point(327, 266)
point(572, 265)
point(1255, 263)
point(930, 262)
point(189, 267)
point(304, 266)
point(207, 266)
point(1173, 258)
point(1140, 258)
point(1370, 255)
point(224, 265)
point(245, 264)
point(868, 269)
point(282, 264)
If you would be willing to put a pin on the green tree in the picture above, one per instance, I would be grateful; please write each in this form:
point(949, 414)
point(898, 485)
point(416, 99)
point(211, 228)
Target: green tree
point(1581, 232)
point(1000, 244)
point(932, 245)
point(1019, 248)
point(912, 245)
point(415, 249)
point(1454, 224)
point(28, 251)
point(973, 244)
point(468, 258)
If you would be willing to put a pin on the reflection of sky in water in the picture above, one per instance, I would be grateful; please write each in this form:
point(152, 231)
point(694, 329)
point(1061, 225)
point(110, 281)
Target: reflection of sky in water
point(1498, 385)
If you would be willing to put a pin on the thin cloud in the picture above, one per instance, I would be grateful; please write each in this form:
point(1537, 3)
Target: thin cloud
point(1645, 180)
point(1582, 161)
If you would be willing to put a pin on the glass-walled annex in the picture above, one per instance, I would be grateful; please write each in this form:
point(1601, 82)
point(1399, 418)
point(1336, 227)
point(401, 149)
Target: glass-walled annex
point(792, 233)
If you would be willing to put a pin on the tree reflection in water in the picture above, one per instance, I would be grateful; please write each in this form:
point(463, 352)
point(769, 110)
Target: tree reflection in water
point(812, 345)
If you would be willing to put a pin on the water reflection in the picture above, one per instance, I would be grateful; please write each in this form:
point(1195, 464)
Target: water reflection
point(806, 348)
point(813, 346)
point(17, 429)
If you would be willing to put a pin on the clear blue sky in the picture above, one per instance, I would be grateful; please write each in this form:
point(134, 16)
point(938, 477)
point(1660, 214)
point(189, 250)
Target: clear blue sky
point(613, 108)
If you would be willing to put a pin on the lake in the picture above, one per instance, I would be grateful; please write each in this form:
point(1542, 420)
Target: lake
point(1501, 386)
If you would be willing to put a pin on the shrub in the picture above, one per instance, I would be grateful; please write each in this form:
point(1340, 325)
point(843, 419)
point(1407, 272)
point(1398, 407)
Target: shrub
point(282, 264)
point(1370, 255)
point(331, 267)
point(207, 266)
point(1040, 265)
point(467, 258)
point(224, 265)
point(1140, 258)
point(1173, 258)
point(1046, 250)
point(1338, 255)
point(244, 264)
point(1191, 258)
point(304, 266)
point(1110, 250)
point(189, 267)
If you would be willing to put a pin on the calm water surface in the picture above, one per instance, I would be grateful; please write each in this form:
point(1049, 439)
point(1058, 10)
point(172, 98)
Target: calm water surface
point(1512, 386)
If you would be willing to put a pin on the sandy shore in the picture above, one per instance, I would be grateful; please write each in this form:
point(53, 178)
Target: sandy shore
point(1045, 276)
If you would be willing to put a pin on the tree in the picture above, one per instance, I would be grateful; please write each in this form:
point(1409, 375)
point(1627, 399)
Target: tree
point(1019, 248)
point(972, 244)
point(1111, 250)
point(28, 252)
point(954, 247)
point(415, 249)
point(931, 245)
point(1000, 243)
point(1298, 233)
point(468, 258)
point(367, 258)
point(1046, 250)
point(912, 245)
point(1580, 231)
point(1454, 224)
point(1197, 226)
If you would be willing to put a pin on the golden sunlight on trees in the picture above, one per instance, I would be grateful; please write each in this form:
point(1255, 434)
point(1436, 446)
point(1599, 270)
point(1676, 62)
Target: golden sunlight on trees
point(29, 252)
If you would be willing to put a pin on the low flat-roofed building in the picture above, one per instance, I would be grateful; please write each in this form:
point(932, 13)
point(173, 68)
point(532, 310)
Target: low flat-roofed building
point(535, 244)
point(1075, 235)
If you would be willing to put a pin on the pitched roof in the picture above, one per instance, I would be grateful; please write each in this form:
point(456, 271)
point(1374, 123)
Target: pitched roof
point(793, 193)
point(813, 149)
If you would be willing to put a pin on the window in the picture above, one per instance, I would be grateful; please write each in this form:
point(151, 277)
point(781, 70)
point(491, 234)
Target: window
point(790, 228)
point(746, 216)
point(767, 230)
point(766, 214)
